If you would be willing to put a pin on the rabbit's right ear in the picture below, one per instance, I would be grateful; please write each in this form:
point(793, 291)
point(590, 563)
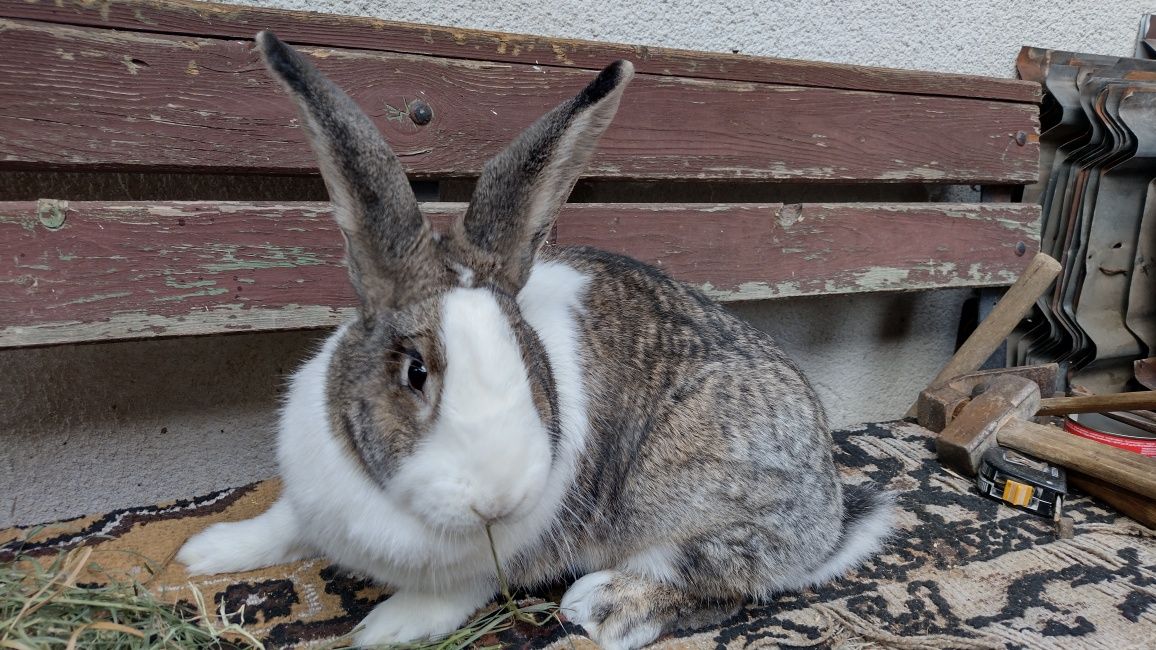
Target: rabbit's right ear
point(522, 189)
point(389, 245)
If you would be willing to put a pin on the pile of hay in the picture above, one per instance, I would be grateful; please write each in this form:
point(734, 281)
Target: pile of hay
point(43, 605)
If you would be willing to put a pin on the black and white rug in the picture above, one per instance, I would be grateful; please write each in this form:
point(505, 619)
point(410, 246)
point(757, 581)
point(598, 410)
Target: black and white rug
point(962, 571)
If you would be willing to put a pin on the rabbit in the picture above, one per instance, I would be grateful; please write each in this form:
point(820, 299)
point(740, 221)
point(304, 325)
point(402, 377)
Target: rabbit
point(602, 419)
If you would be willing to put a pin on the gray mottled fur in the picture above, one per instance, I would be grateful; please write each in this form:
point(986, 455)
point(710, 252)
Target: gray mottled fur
point(704, 436)
point(705, 440)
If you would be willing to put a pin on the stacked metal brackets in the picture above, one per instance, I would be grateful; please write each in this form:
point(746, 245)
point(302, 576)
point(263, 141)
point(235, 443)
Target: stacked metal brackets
point(1098, 191)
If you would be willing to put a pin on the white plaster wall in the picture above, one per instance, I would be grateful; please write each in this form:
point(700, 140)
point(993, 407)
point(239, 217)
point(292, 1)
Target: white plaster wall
point(972, 37)
point(197, 414)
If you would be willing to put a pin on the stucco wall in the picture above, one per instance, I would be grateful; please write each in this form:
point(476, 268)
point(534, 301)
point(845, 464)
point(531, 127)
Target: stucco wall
point(89, 428)
point(974, 37)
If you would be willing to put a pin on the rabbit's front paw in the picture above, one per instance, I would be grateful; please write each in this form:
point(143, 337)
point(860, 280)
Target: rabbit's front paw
point(615, 609)
point(408, 616)
point(243, 545)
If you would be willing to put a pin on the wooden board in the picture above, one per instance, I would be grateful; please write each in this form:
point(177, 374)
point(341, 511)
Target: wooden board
point(83, 99)
point(203, 19)
point(101, 271)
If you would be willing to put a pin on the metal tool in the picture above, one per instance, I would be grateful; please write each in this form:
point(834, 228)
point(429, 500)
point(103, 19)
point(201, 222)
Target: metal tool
point(974, 414)
point(1022, 481)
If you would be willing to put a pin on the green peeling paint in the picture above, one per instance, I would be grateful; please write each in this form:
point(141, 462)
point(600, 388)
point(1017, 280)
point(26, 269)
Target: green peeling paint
point(196, 294)
point(268, 257)
point(98, 297)
point(174, 283)
point(25, 222)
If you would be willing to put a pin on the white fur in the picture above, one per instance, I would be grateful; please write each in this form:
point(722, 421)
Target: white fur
point(465, 275)
point(859, 542)
point(386, 534)
point(359, 525)
point(265, 540)
point(460, 476)
point(409, 615)
point(552, 304)
point(585, 597)
point(579, 600)
point(656, 562)
point(346, 515)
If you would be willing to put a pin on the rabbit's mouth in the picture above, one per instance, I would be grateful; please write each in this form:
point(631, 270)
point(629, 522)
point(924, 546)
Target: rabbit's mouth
point(491, 516)
point(525, 507)
point(463, 497)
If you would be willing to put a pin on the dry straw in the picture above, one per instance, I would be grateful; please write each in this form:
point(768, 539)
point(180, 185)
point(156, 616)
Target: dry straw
point(44, 606)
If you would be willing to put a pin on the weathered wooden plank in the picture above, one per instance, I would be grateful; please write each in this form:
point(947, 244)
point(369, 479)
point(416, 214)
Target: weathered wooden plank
point(98, 271)
point(750, 251)
point(81, 98)
point(212, 19)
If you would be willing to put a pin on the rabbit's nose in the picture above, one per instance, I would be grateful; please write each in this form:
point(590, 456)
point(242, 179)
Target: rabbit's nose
point(493, 510)
point(488, 513)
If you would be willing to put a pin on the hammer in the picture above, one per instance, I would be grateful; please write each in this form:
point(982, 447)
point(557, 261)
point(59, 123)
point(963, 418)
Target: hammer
point(1008, 312)
point(998, 414)
point(938, 403)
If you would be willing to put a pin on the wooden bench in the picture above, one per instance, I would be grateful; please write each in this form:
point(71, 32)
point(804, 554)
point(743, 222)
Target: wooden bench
point(110, 111)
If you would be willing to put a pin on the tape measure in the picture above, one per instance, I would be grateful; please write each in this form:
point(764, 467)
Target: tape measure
point(1022, 481)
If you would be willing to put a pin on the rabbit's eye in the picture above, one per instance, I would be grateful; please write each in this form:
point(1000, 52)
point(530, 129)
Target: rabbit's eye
point(415, 374)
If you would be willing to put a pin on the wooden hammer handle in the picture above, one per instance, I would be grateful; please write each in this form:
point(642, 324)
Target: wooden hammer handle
point(1006, 314)
point(1127, 469)
point(1139, 400)
point(1140, 508)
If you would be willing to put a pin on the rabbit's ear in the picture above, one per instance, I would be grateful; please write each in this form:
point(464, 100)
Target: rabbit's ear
point(521, 190)
point(388, 242)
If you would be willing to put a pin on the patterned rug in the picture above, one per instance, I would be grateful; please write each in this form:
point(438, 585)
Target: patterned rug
point(962, 572)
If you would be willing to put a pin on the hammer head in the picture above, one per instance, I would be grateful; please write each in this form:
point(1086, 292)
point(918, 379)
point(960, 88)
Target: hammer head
point(973, 429)
point(938, 405)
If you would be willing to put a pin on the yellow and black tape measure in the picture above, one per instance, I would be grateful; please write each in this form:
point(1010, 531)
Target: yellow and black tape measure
point(1022, 481)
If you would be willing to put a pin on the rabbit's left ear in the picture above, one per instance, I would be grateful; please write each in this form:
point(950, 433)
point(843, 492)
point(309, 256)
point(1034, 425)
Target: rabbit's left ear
point(522, 189)
point(389, 245)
